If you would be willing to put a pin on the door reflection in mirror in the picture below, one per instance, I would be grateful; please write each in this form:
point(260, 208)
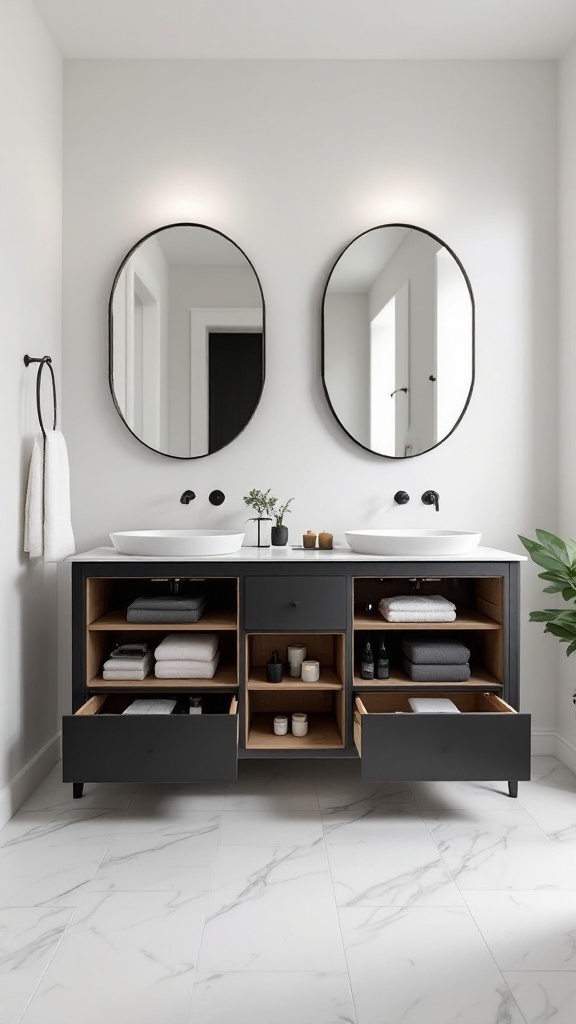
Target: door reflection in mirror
point(398, 340)
point(186, 321)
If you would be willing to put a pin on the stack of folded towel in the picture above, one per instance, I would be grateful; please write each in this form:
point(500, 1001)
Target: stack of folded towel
point(436, 661)
point(137, 667)
point(187, 656)
point(417, 608)
point(167, 608)
point(433, 706)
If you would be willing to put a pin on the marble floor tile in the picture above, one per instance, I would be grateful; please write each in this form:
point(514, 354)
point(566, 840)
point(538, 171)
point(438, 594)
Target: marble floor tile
point(40, 872)
point(403, 872)
point(53, 794)
point(271, 909)
point(127, 958)
point(545, 997)
point(543, 764)
point(154, 807)
point(551, 802)
point(527, 931)
point(61, 827)
point(273, 996)
point(28, 940)
point(261, 790)
point(444, 796)
point(339, 795)
point(375, 823)
point(271, 828)
point(423, 965)
point(179, 858)
point(489, 849)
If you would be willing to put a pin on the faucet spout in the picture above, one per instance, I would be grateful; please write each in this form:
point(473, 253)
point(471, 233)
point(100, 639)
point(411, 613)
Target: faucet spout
point(431, 498)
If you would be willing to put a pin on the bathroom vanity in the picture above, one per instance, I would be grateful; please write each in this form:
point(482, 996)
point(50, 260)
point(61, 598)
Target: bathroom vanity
point(261, 600)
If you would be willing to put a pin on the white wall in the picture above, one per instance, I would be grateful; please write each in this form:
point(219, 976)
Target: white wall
point(30, 309)
point(566, 371)
point(283, 158)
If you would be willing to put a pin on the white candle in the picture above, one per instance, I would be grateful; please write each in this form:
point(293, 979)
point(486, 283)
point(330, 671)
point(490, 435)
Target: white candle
point(310, 671)
point(296, 654)
point(299, 723)
point(280, 725)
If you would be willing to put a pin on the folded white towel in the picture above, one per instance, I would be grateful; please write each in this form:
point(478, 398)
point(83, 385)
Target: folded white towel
point(58, 535)
point(128, 664)
point(160, 706)
point(187, 647)
point(417, 608)
point(433, 705)
point(447, 616)
point(34, 507)
point(135, 673)
point(181, 669)
point(415, 603)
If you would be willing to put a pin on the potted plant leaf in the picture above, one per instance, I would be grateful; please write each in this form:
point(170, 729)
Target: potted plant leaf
point(558, 559)
point(279, 532)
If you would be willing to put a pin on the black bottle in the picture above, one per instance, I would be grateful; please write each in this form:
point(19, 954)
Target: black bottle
point(382, 662)
point(367, 665)
point(274, 669)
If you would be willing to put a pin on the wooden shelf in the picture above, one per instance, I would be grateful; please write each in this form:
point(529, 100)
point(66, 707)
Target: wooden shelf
point(323, 734)
point(468, 619)
point(224, 679)
point(328, 681)
point(479, 680)
point(116, 620)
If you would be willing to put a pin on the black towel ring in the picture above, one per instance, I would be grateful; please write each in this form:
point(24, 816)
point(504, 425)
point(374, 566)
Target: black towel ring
point(43, 361)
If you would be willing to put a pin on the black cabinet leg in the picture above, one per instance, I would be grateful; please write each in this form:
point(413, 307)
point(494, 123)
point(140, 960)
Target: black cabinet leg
point(513, 788)
point(77, 790)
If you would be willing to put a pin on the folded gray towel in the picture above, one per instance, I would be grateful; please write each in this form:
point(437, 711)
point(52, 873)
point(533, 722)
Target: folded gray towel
point(436, 673)
point(167, 615)
point(174, 602)
point(436, 652)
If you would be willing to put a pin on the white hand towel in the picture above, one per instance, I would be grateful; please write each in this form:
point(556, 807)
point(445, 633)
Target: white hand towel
point(188, 647)
point(34, 507)
point(129, 664)
point(447, 616)
point(58, 536)
point(433, 705)
point(150, 707)
point(181, 669)
point(127, 673)
point(415, 603)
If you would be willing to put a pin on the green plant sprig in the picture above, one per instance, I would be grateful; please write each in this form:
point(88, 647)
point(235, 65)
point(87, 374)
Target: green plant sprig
point(558, 558)
point(279, 513)
point(262, 502)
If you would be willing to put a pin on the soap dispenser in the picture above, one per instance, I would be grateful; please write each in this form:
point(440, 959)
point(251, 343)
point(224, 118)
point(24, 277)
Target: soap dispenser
point(274, 668)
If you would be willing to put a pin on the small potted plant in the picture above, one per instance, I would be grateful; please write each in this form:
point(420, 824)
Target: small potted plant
point(279, 532)
point(263, 504)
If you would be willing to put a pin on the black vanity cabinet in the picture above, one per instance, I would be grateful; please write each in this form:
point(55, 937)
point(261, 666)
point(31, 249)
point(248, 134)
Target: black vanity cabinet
point(330, 605)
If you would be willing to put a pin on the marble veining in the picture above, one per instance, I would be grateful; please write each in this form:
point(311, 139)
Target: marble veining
point(298, 893)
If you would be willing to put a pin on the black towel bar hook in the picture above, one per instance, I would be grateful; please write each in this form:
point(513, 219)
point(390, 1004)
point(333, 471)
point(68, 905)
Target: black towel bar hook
point(43, 361)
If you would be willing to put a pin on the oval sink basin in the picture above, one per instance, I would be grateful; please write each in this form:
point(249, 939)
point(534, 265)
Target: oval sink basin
point(412, 542)
point(174, 543)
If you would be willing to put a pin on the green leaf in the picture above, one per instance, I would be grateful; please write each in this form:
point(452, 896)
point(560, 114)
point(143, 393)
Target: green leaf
point(564, 635)
point(553, 590)
point(555, 545)
point(570, 650)
point(543, 616)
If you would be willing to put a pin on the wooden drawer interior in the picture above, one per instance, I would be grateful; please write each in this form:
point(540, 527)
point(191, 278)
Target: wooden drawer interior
point(114, 704)
point(467, 703)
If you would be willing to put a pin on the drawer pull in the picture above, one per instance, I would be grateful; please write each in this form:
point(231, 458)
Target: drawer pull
point(294, 604)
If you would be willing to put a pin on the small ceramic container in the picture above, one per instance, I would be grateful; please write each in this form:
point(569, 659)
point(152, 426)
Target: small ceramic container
point(299, 723)
point(280, 725)
point(296, 654)
point(310, 670)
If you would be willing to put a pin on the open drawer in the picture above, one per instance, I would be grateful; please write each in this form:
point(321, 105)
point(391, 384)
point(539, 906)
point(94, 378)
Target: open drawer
point(100, 744)
point(487, 740)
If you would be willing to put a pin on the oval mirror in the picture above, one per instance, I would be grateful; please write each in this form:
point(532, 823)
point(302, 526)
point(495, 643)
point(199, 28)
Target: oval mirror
point(186, 326)
point(398, 340)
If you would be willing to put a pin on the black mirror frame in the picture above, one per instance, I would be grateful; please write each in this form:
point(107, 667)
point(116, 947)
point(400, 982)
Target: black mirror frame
point(150, 234)
point(412, 227)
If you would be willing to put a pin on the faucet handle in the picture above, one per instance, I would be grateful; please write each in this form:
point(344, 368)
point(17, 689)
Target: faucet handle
point(431, 498)
point(401, 497)
point(187, 497)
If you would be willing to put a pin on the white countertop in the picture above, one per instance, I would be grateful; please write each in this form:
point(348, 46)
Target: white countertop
point(274, 554)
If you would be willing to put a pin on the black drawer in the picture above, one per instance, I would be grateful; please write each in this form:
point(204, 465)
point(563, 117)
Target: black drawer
point(295, 602)
point(101, 745)
point(488, 740)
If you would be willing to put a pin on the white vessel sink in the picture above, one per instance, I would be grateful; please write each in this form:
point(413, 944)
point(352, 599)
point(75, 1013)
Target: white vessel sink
point(174, 543)
point(412, 542)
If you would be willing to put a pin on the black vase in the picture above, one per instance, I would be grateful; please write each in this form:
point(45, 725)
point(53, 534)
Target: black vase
point(279, 536)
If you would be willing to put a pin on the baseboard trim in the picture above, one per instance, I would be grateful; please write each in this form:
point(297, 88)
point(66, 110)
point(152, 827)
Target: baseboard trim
point(21, 785)
point(565, 751)
point(544, 741)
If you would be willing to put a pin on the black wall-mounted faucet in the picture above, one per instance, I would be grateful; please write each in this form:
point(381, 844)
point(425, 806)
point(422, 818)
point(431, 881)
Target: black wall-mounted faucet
point(401, 498)
point(187, 497)
point(432, 498)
